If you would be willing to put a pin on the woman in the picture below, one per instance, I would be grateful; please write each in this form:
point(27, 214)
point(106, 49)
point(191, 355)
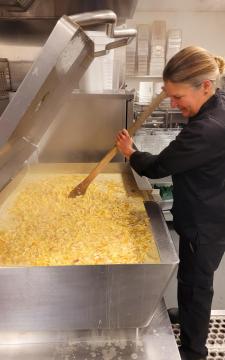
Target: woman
point(196, 161)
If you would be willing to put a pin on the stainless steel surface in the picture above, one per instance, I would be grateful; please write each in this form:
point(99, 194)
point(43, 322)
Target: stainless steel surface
point(4, 100)
point(154, 342)
point(21, 44)
point(42, 94)
point(85, 129)
point(12, 9)
point(16, 5)
point(95, 18)
point(142, 182)
point(65, 298)
point(216, 336)
point(54, 67)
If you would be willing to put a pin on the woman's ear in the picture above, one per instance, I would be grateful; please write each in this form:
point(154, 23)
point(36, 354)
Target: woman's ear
point(207, 86)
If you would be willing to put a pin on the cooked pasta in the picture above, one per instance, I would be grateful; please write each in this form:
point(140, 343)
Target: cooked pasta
point(43, 226)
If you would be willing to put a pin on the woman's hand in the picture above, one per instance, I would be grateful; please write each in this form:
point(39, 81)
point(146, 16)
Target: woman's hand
point(124, 143)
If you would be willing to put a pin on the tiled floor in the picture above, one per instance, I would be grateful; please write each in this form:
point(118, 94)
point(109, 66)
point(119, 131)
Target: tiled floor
point(219, 291)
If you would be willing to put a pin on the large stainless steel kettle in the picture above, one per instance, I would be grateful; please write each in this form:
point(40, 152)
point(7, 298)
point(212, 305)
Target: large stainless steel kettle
point(66, 55)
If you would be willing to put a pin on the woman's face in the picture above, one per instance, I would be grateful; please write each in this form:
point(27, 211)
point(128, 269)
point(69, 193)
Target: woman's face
point(187, 98)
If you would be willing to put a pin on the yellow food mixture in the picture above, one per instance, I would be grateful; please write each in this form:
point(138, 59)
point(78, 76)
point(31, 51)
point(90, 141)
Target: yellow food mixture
point(107, 225)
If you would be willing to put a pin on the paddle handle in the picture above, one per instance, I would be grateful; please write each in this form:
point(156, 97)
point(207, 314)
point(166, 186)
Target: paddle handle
point(101, 165)
point(145, 114)
point(131, 130)
point(82, 187)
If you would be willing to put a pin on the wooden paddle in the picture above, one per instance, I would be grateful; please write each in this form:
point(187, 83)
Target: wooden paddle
point(81, 188)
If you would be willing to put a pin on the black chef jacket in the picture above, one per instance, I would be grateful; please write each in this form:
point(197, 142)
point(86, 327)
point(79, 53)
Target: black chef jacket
point(196, 161)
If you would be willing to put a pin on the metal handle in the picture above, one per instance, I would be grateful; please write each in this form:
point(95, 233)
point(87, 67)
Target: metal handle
point(109, 18)
point(95, 18)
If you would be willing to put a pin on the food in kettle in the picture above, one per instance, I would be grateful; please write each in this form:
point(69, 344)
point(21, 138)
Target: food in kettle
point(43, 226)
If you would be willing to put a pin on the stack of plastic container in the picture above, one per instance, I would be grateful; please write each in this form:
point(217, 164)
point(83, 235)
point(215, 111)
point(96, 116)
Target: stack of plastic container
point(173, 43)
point(158, 43)
point(145, 92)
point(143, 49)
point(131, 53)
point(103, 73)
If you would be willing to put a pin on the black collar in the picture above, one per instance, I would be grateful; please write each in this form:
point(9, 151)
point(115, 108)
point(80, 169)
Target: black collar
point(207, 105)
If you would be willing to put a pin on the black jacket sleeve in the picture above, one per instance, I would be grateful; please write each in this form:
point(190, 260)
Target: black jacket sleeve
point(198, 143)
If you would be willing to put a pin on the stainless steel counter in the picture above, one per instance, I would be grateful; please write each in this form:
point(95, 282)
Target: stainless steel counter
point(155, 342)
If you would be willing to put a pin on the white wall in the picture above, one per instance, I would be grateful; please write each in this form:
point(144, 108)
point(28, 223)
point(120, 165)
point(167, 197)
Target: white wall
point(206, 29)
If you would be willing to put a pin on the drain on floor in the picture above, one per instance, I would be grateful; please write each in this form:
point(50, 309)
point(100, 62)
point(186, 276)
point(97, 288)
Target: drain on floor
point(216, 337)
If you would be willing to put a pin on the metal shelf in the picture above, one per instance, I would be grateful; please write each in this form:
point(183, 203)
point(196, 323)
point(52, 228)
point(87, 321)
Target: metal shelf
point(170, 110)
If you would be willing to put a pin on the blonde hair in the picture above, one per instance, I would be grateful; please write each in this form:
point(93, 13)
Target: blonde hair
point(192, 65)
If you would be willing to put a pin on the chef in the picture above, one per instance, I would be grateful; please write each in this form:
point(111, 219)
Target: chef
point(196, 161)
